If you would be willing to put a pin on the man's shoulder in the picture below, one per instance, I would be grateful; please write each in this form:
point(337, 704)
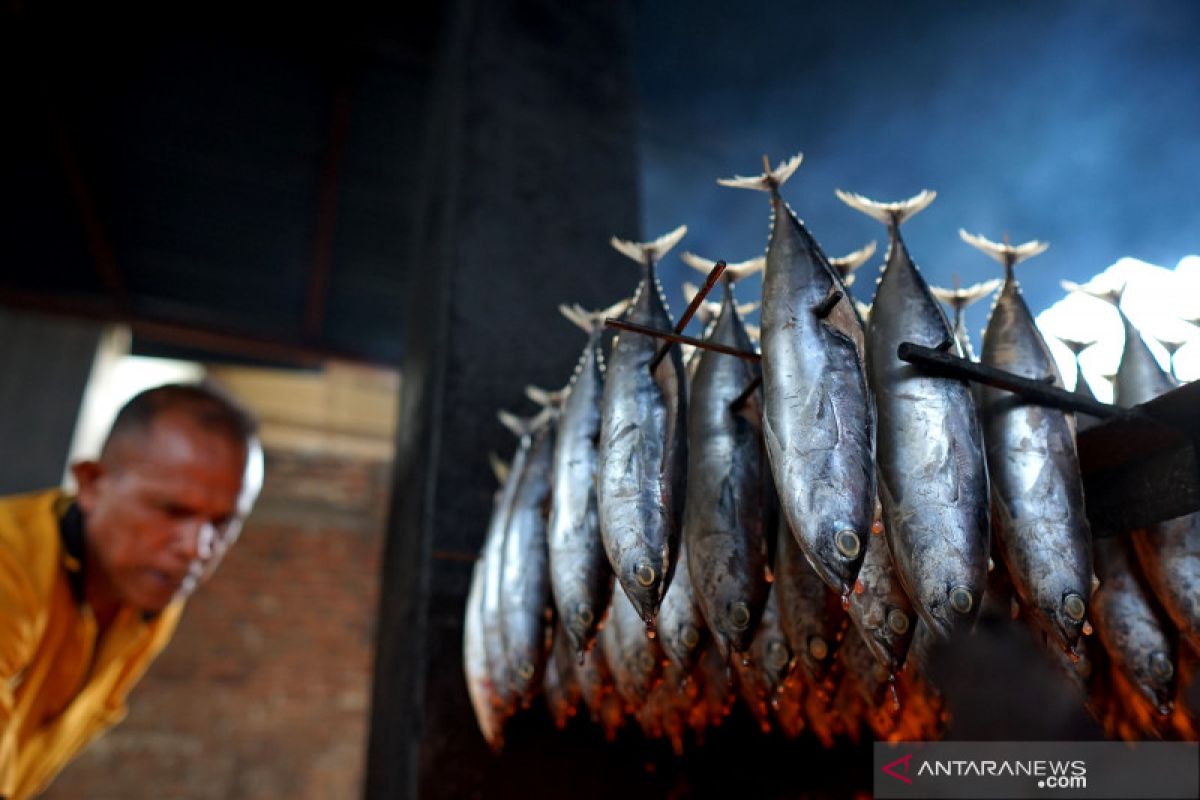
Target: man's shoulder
point(29, 538)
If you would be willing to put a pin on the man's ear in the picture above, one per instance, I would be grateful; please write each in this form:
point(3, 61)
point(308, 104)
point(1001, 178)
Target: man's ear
point(87, 476)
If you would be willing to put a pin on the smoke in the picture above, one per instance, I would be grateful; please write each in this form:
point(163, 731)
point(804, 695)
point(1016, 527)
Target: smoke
point(1071, 122)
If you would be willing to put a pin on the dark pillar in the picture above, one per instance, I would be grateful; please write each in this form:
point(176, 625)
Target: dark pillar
point(530, 167)
point(45, 363)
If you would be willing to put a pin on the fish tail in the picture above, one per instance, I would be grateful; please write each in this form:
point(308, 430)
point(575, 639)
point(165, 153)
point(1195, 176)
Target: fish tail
point(959, 299)
point(499, 468)
point(543, 397)
point(518, 426)
point(653, 252)
point(1076, 346)
point(734, 272)
point(1112, 296)
point(592, 321)
point(1007, 254)
point(852, 261)
point(891, 214)
point(769, 180)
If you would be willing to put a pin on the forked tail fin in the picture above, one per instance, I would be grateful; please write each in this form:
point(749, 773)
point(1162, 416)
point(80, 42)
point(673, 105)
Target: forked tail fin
point(653, 252)
point(846, 265)
point(1007, 254)
point(769, 180)
point(734, 272)
point(888, 213)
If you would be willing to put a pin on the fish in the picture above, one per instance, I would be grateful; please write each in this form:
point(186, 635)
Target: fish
point(1043, 531)
point(761, 674)
point(933, 481)
point(581, 578)
point(880, 609)
point(475, 666)
point(562, 688)
point(634, 659)
point(1135, 637)
point(526, 605)
point(845, 265)
point(598, 690)
point(723, 524)
point(1168, 551)
point(960, 299)
point(818, 416)
point(493, 560)
point(681, 629)
point(810, 613)
point(715, 677)
point(642, 455)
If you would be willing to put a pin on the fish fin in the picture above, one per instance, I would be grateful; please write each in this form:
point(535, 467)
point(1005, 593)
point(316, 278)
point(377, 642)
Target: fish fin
point(1112, 296)
point(499, 468)
point(961, 298)
point(888, 213)
point(1007, 254)
point(544, 397)
point(747, 308)
point(744, 269)
point(592, 321)
point(824, 308)
point(851, 261)
point(864, 309)
point(1076, 346)
point(652, 251)
point(734, 272)
point(753, 331)
point(518, 426)
point(769, 180)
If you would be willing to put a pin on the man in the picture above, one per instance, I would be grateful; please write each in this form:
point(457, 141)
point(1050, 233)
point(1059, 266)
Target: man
point(92, 586)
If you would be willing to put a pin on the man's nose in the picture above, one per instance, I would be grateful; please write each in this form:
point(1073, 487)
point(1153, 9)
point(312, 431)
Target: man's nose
point(197, 540)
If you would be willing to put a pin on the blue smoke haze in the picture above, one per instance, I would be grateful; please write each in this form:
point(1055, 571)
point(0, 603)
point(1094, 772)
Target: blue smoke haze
point(1076, 123)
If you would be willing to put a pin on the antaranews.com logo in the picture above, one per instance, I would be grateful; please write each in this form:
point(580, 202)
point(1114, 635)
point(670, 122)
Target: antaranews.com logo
point(1048, 774)
point(1036, 769)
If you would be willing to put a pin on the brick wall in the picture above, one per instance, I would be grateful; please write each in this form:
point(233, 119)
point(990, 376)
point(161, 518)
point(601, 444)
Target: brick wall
point(264, 691)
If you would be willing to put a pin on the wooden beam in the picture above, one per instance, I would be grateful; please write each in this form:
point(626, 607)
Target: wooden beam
point(322, 262)
point(96, 234)
point(224, 341)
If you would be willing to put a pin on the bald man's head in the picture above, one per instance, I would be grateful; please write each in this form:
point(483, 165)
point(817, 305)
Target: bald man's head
point(203, 405)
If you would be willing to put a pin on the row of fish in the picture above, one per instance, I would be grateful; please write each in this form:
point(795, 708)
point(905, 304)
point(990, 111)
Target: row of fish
point(823, 483)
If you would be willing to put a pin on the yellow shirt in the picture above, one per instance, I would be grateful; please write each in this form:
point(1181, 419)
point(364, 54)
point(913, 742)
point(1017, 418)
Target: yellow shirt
point(60, 688)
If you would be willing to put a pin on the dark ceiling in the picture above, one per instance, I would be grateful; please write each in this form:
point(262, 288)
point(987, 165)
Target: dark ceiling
point(229, 183)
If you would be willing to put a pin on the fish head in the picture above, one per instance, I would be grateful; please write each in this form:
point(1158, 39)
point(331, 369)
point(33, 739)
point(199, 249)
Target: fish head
point(683, 644)
point(952, 607)
point(736, 626)
point(817, 656)
point(889, 640)
point(838, 552)
point(777, 658)
point(645, 583)
point(1157, 680)
point(1069, 617)
point(580, 623)
point(525, 676)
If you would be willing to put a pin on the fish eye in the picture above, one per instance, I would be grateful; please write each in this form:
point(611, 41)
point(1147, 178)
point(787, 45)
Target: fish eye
point(897, 620)
point(818, 648)
point(777, 654)
point(645, 575)
point(961, 599)
point(525, 670)
point(584, 614)
point(1074, 606)
point(739, 616)
point(1161, 666)
point(690, 636)
point(848, 543)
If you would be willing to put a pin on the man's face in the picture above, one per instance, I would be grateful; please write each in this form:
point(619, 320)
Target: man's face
point(157, 507)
